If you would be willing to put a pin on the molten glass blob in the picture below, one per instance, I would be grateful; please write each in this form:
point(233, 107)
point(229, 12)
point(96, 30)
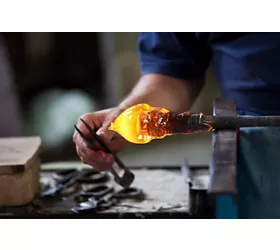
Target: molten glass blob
point(142, 123)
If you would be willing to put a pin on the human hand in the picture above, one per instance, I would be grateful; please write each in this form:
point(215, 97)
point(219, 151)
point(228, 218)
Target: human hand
point(101, 120)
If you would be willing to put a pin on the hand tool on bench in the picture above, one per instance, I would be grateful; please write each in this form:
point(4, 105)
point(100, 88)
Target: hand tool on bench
point(67, 178)
point(63, 184)
point(89, 176)
point(107, 197)
point(97, 192)
point(128, 177)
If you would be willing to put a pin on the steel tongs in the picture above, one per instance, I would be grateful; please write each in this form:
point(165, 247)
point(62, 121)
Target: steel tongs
point(128, 177)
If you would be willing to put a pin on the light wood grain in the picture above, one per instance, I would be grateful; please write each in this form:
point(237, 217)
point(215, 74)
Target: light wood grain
point(18, 189)
point(19, 170)
point(16, 153)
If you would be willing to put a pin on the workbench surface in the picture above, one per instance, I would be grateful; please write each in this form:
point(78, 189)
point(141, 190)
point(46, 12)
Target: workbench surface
point(165, 190)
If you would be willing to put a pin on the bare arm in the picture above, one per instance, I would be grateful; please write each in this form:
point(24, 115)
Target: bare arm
point(164, 91)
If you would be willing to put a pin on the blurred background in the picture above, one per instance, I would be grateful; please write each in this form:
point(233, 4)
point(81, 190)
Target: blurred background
point(47, 80)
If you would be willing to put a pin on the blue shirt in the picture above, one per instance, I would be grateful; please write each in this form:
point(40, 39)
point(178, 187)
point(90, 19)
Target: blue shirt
point(246, 65)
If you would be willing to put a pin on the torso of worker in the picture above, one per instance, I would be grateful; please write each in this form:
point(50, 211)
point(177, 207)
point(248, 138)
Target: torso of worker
point(247, 68)
point(246, 65)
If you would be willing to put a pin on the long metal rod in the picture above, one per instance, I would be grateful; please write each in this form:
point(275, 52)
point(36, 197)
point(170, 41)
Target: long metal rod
point(231, 122)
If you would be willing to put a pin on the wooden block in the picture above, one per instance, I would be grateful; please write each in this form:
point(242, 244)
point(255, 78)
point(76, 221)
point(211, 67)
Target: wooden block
point(19, 170)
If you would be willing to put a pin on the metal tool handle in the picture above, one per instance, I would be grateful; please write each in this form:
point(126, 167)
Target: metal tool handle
point(128, 177)
point(125, 180)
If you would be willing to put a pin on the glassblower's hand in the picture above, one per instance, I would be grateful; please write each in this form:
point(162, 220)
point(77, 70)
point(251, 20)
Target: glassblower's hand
point(101, 120)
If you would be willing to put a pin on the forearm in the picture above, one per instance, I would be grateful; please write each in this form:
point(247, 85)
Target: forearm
point(163, 91)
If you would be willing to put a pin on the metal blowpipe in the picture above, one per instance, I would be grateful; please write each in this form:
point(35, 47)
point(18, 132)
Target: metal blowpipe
point(232, 122)
point(142, 123)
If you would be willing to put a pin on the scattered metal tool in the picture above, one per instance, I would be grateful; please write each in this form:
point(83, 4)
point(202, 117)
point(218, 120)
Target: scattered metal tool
point(64, 176)
point(66, 179)
point(97, 192)
point(108, 199)
point(93, 177)
point(128, 177)
point(63, 184)
point(61, 174)
point(89, 176)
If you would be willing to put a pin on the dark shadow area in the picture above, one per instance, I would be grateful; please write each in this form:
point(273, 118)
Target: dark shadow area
point(50, 74)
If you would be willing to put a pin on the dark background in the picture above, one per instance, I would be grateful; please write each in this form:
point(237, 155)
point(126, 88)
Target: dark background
point(72, 61)
point(44, 61)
